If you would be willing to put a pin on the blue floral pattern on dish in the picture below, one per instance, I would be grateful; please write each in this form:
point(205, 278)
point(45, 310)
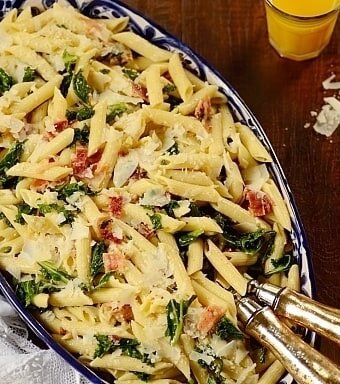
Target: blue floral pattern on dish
point(155, 34)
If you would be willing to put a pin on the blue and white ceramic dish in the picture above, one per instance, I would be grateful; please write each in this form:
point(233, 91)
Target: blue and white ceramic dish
point(155, 34)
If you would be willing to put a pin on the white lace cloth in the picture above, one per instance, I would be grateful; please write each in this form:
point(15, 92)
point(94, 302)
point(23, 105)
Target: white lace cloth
point(22, 362)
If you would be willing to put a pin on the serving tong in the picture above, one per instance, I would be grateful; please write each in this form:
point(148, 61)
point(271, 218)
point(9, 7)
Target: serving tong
point(304, 363)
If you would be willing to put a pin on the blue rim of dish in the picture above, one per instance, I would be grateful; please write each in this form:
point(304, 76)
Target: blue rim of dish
point(237, 105)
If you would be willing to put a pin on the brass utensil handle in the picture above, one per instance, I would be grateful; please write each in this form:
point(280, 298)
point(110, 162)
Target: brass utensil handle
point(301, 309)
point(309, 313)
point(304, 363)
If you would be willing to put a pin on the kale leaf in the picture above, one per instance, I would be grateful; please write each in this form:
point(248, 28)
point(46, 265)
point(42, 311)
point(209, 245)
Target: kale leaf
point(68, 190)
point(69, 60)
point(175, 318)
point(84, 112)
point(11, 158)
point(187, 238)
point(81, 135)
point(156, 220)
point(114, 111)
point(29, 74)
point(128, 347)
point(168, 88)
point(80, 86)
point(48, 208)
point(97, 262)
point(23, 208)
point(52, 274)
point(6, 81)
point(227, 331)
point(169, 208)
point(142, 375)
point(26, 290)
point(280, 265)
point(130, 73)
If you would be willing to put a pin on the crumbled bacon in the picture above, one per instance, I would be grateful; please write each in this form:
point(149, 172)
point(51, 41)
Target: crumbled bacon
point(62, 331)
point(209, 318)
point(114, 338)
point(81, 162)
point(124, 313)
point(203, 110)
point(139, 173)
point(259, 202)
point(114, 261)
point(61, 125)
point(139, 91)
point(107, 234)
point(145, 230)
point(116, 205)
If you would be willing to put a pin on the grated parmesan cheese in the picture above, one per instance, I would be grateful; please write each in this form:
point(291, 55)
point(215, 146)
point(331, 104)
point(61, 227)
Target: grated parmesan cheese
point(330, 84)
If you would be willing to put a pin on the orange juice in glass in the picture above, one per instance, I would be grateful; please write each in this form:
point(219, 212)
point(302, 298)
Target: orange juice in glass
point(301, 29)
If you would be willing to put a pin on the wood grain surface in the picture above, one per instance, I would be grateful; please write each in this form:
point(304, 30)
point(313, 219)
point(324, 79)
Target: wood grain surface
point(232, 36)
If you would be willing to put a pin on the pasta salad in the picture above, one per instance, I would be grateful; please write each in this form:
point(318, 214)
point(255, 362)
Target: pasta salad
point(132, 205)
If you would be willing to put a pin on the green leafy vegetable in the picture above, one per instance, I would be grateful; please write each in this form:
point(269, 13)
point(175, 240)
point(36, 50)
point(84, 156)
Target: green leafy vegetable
point(168, 88)
point(105, 71)
point(80, 86)
point(214, 368)
point(169, 208)
point(29, 74)
point(97, 262)
point(188, 238)
point(173, 150)
point(156, 221)
point(81, 135)
point(68, 190)
point(52, 274)
point(227, 331)
point(11, 158)
point(114, 111)
point(48, 208)
point(23, 208)
point(84, 112)
point(128, 347)
point(175, 318)
point(250, 243)
point(280, 265)
point(142, 375)
point(130, 73)
point(6, 81)
point(26, 290)
point(69, 60)
point(104, 346)
point(6, 249)
point(104, 279)
point(195, 211)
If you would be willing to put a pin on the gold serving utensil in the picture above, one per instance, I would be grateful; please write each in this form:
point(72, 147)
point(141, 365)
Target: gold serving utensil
point(304, 363)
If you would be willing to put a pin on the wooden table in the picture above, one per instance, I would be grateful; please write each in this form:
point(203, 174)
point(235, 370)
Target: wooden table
point(232, 36)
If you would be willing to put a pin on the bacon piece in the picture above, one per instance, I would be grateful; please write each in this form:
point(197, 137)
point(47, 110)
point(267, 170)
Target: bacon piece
point(145, 230)
point(114, 261)
point(116, 206)
point(107, 234)
point(203, 110)
point(79, 162)
point(139, 91)
point(209, 318)
point(125, 312)
point(259, 202)
point(61, 125)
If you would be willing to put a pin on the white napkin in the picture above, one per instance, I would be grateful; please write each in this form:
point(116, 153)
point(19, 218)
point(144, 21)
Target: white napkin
point(22, 362)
